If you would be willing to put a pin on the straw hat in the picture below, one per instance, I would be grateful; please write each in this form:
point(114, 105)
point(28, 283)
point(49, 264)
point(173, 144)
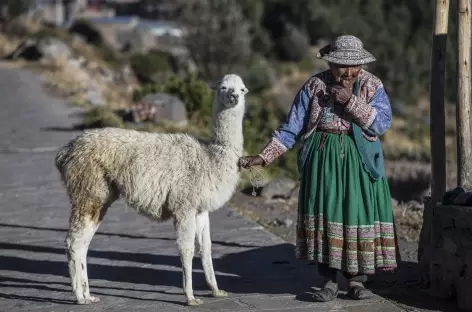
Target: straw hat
point(346, 50)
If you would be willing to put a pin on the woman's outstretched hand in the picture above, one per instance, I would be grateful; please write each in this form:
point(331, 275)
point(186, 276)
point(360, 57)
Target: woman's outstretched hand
point(251, 161)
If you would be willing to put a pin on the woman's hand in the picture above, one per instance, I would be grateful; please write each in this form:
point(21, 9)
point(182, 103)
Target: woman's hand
point(251, 161)
point(340, 95)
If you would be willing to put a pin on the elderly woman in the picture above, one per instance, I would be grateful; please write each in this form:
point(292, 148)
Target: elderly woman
point(345, 219)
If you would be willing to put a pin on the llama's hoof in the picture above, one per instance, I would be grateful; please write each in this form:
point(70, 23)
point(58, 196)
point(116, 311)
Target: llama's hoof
point(220, 293)
point(194, 302)
point(89, 300)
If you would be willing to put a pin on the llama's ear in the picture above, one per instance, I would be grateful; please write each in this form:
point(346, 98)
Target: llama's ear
point(215, 85)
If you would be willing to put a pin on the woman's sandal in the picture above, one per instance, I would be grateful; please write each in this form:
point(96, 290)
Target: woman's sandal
point(328, 293)
point(359, 292)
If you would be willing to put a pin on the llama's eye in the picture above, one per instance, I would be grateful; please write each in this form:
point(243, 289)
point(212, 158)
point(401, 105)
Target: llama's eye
point(223, 88)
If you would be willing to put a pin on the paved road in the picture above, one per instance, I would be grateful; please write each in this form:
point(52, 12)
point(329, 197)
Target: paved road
point(133, 262)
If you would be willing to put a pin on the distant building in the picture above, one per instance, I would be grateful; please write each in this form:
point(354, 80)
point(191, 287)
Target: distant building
point(162, 10)
point(140, 34)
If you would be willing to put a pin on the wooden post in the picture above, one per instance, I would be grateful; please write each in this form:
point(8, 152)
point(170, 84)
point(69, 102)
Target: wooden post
point(436, 98)
point(464, 143)
point(438, 137)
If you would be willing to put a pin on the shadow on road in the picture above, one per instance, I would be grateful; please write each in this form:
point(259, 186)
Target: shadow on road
point(260, 270)
point(100, 233)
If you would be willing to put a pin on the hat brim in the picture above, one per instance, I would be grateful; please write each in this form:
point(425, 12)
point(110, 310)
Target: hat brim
point(346, 57)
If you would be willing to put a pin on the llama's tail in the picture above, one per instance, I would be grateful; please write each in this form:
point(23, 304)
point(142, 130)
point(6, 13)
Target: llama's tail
point(63, 156)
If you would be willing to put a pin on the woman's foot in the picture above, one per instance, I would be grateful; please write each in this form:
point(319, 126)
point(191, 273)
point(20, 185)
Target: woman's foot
point(327, 293)
point(357, 291)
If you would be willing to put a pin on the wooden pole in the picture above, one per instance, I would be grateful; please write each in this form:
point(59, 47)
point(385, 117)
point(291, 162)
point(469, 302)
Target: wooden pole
point(464, 143)
point(438, 137)
point(436, 91)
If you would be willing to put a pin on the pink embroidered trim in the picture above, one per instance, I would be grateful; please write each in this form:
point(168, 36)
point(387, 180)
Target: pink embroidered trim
point(371, 119)
point(272, 150)
point(370, 138)
point(363, 113)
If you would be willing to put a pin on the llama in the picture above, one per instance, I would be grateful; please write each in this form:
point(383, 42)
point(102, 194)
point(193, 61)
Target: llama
point(162, 176)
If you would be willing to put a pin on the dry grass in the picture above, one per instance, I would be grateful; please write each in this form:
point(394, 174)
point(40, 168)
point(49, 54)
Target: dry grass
point(7, 44)
point(400, 135)
point(66, 77)
point(409, 220)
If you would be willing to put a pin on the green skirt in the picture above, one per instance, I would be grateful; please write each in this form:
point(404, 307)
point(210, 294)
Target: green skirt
point(345, 218)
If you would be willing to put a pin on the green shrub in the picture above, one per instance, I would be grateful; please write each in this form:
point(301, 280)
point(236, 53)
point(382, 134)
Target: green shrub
point(194, 93)
point(260, 75)
point(100, 117)
point(148, 64)
point(15, 8)
point(261, 42)
point(293, 45)
point(87, 31)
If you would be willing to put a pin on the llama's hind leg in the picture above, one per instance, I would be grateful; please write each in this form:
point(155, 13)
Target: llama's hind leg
point(84, 222)
point(185, 226)
point(204, 244)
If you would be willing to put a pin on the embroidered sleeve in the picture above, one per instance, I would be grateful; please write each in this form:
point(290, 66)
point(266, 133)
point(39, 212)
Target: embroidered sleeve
point(375, 117)
point(288, 133)
point(362, 112)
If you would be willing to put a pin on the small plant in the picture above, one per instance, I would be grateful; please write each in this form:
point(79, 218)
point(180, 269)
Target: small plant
point(260, 75)
point(100, 117)
point(145, 66)
point(15, 8)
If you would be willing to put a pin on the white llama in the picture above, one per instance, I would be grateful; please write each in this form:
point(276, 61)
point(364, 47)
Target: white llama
point(163, 176)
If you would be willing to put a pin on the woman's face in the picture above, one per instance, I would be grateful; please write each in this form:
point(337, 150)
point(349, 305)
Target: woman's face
point(345, 75)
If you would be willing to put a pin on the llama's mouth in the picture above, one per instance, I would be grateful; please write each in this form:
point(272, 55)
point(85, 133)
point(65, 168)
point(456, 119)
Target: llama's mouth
point(231, 104)
point(233, 98)
point(232, 101)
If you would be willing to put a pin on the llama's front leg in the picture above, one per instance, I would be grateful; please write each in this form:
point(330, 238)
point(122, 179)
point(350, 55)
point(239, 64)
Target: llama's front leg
point(204, 244)
point(186, 230)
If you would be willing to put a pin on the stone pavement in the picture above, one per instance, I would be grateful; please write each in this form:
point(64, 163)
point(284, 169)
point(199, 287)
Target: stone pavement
point(133, 263)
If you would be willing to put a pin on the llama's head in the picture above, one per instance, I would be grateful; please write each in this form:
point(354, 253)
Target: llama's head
point(230, 90)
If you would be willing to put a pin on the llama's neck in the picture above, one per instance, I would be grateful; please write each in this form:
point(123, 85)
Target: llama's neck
point(228, 127)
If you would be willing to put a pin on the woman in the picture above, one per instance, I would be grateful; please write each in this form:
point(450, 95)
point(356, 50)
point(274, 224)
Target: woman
point(345, 219)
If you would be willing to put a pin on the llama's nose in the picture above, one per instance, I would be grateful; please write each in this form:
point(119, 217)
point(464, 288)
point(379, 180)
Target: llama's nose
point(234, 96)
